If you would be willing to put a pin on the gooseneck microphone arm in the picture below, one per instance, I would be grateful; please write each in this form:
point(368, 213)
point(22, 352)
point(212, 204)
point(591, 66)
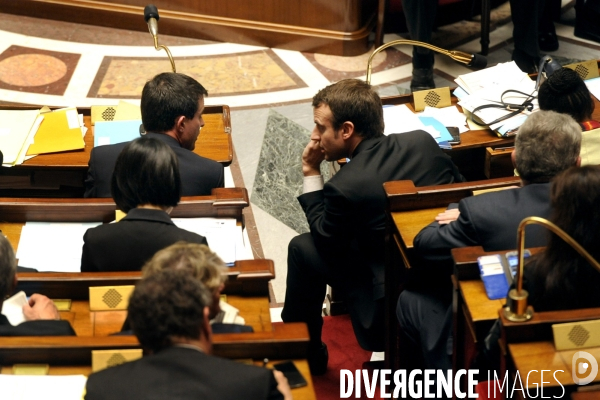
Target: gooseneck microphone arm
point(151, 17)
point(471, 60)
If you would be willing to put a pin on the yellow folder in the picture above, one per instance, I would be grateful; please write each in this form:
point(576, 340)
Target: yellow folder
point(59, 131)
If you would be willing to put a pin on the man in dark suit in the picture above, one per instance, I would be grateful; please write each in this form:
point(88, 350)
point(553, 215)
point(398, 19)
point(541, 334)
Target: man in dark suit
point(168, 311)
point(42, 317)
point(172, 106)
point(345, 246)
point(547, 144)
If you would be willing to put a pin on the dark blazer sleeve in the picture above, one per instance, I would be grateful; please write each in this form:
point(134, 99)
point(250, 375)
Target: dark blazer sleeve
point(38, 328)
point(90, 189)
point(87, 262)
point(435, 241)
point(328, 213)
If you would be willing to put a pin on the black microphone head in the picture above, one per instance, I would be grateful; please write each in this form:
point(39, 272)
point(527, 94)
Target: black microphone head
point(478, 61)
point(150, 11)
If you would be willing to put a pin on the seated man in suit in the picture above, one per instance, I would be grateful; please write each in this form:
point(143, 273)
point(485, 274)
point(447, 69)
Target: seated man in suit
point(547, 144)
point(345, 246)
point(42, 317)
point(169, 311)
point(172, 106)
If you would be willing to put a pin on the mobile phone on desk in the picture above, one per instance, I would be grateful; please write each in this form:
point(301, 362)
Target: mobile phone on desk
point(455, 133)
point(289, 370)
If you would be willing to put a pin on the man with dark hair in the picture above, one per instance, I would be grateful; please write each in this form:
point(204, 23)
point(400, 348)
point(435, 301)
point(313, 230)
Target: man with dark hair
point(168, 311)
point(172, 106)
point(42, 317)
point(345, 246)
point(547, 144)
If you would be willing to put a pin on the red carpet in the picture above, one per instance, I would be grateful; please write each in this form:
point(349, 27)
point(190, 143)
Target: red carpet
point(344, 353)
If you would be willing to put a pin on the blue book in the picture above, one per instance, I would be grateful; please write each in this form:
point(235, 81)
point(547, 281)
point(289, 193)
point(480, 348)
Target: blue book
point(445, 135)
point(112, 132)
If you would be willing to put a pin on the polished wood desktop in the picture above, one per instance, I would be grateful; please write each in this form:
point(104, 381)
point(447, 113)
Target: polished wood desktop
point(46, 173)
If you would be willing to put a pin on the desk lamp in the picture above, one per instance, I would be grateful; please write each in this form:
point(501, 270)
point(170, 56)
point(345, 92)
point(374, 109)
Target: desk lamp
point(471, 60)
point(151, 17)
point(517, 309)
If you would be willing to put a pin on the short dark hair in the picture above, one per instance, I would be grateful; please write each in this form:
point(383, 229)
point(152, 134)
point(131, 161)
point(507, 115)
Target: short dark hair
point(566, 93)
point(8, 267)
point(547, 144)
point(146, 172)
point(168, 96)
point(355, 101)
point(167, 303)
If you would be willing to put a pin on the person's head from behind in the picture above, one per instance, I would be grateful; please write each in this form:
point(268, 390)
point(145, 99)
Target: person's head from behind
point(173, 103)
point(170, 307)
point(8, 268)
point(575, 199)
point(198, 260)
point(566, 93)
point(569, 279)
point(546, 144)
point(344, 109)
point(146, 174)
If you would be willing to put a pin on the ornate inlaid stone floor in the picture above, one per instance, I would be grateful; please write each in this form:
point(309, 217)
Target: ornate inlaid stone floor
point(54, 63)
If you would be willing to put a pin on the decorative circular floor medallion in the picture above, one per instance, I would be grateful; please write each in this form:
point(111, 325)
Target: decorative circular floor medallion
point(31, 70)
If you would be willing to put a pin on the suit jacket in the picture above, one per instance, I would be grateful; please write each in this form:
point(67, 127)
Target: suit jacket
point(129, 243)
point(199, 175)
point(36, 328)
point(489, 220)
point(180, 373)
point(347, 217)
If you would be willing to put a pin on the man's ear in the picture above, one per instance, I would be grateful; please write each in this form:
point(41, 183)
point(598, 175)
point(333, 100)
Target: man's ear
point(513, 158)
point(347, 130)
point(578, 162)
point(206, 329)
point(179, 123)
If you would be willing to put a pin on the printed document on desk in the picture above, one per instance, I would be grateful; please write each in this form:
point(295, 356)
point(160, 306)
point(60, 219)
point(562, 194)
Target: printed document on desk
point(47, 387)
point(60, 131)
point(224, 236)
point(52, 246)
point(15, 129)
point(12, 308)
point(499, 75)
point(112, 132)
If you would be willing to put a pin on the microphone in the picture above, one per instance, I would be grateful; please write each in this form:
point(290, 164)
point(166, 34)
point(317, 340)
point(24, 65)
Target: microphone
point(547, 67)
point(151, 17)
point(471, 60)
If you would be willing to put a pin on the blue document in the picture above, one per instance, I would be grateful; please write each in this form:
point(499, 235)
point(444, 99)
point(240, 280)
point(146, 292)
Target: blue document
point(112, 132)
point(493, 277)
point(445, 136)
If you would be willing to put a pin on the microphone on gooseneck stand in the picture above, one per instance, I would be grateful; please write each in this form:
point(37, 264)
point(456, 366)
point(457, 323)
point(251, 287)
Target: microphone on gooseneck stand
point(471, 60)
point(151, 17)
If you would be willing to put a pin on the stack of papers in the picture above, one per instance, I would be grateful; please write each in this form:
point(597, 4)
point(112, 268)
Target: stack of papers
point(486, 87)
point(61, 130)
point(17, 129)
point(52, 246)
point(224, 236)
point(57, 246)
point(400, 119)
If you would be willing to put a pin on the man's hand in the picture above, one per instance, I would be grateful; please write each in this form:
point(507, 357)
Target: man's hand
point(283, 385)
point(40, 307)
point(447, 216)
point(312, 156)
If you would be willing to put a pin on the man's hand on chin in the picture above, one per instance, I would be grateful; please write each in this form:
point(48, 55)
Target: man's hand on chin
point(312, 156)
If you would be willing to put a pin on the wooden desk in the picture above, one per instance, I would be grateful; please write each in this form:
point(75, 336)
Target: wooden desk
point(302, 393)
point(409, 210)
point(46, 173)
point(255, 311)
point(14, 212)
point(470, 155)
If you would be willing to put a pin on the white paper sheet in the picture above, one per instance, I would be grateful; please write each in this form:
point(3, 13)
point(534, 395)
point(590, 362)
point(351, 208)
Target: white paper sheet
point(12, 308)
point(52, 246)
point(47, 387)
point(399, 119)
